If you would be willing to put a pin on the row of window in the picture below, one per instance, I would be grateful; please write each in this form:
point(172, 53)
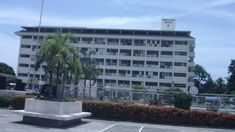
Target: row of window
point(140, 74)
point(115, 41)
point(129, 52)
point(37, 76)
point(139, 63)
point(31, 65)
point(122, 83)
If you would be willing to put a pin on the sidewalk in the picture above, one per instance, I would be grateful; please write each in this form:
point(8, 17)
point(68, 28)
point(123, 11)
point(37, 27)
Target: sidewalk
point(10, 122)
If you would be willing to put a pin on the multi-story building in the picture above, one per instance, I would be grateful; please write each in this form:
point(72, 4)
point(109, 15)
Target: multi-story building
point(156, 59)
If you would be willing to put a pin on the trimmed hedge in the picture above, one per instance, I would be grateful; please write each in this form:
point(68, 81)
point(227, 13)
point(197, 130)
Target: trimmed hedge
point(5, 101)
point(156, 114)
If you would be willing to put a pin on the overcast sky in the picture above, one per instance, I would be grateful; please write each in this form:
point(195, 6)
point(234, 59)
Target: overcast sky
point(211, 22)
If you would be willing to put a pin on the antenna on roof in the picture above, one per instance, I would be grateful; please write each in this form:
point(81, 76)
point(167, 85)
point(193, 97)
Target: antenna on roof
point(168, 24)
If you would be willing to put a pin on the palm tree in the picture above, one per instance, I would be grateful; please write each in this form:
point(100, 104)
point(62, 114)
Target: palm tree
point(63, 65)
point(89, 70)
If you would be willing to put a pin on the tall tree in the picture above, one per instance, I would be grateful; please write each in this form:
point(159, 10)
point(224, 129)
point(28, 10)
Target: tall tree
point(89, 70)
point(220, 86)
point(202, 79)
point(6, 69)
point(63, 65)
point(231, 78)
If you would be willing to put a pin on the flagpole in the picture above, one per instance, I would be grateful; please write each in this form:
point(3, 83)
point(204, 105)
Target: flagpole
point(39, 31)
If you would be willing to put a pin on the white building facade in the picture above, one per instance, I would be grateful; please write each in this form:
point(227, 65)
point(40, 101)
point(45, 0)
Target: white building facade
point(156, 59)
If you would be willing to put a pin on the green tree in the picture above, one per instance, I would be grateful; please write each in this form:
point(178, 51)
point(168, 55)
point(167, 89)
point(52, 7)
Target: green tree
point(63, 65)
point(6, 69)
point(182, 100)
point(90, 71)
point(220, 86)
point(202, 79)
point(231, 78)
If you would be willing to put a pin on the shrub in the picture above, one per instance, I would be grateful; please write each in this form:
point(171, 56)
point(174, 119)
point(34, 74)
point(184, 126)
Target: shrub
point(182, 100)
point(5, 101)
point(156, 114)
point(18, 102)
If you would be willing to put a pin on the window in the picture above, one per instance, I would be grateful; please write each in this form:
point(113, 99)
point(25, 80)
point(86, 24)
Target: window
point(166, 43)
point(152, 53)
point(127, 42)
point(34, 47)
point(180, 64)
point(99, 61)
point(179, 85)
point(166, 65)
point(112, 51)
point(32, 65)
point(22, 74)
point(87, 40)
point(181, 42)
point(43, 78)
point(23, 65)
point(150, 74)
point(138, 42)
point(74, 40)
point(167, 54)
point(180, 74)
point(153, 43)
point(26, 37)
point(44, 67)
point(139, 53)
point(137, 63)
point(33, 57)
point(180, 53)
point(165, 84)
point(124, 62)
point(35, 38)
point(112, 41)
point(125, 52)
point(165, 75)
point(111, 62)
point(24, 55)
point(25, 46)
point(100, 41)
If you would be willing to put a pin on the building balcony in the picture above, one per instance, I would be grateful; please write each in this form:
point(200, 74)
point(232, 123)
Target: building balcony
point(152, 55)
point(110, 74)
point(151, 66)
point(138, 55)
point(137, 76)
point(137, 65)
point(166, 77)
point(124, 75)
point(124, 54)
point(150, 76)
point(150, 87)
point(166, 56)
point(111, 53)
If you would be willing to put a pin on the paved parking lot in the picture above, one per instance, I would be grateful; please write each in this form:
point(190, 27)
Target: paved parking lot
point(10, 122)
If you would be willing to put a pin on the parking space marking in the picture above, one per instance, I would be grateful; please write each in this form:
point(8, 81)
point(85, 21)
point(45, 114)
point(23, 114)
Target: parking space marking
point(107, 128)
point(141, 128)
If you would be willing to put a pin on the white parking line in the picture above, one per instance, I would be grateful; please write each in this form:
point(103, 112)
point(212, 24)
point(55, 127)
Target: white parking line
point(107, 128)
point(141, 128)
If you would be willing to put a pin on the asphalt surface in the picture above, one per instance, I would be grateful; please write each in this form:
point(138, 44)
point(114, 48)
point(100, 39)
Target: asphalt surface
point(10, 122)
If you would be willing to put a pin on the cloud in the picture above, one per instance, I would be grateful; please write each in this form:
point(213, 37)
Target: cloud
point(15, 17)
